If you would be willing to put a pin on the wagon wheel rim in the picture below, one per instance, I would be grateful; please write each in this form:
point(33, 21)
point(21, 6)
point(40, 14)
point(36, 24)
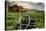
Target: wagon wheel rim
point(22, 24)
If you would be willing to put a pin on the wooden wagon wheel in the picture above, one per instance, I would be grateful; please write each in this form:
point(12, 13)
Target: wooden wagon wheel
point(21, 26)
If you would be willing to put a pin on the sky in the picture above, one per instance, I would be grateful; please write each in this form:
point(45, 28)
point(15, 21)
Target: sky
point(29, 5)
point(29, 0)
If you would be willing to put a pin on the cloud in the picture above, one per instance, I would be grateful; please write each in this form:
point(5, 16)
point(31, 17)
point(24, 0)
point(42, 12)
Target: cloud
point(29, 5)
